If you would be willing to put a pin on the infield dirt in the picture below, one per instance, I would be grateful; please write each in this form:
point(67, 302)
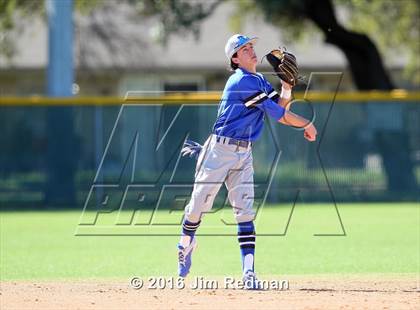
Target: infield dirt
point(317, 292)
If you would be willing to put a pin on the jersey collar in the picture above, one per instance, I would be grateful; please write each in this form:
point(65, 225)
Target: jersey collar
point(244, 71)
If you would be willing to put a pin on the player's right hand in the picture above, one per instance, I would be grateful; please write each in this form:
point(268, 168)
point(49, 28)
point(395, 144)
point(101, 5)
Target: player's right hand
point(310, 133)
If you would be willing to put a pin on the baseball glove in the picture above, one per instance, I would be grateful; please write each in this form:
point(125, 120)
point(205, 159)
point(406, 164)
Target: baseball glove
point(285, 65)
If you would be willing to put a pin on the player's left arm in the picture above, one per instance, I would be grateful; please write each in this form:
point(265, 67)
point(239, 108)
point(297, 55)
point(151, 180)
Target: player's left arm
point(285, 95)
point(283, 99)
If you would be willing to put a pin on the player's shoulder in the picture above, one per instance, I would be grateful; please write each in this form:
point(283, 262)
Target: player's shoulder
point(240, 78)
point(246, 79)
point(264, 80)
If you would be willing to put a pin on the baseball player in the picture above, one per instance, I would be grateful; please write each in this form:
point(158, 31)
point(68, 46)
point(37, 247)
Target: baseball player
point(226, 156)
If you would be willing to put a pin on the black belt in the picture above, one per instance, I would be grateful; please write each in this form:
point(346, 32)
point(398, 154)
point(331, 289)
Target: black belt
point(227, 140)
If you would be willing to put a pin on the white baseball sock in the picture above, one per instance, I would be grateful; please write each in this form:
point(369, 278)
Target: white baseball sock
point(185, 241)
point(248, 262)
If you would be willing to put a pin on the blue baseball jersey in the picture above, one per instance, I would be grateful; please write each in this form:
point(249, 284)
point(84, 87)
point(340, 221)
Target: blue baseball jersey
point(245, 99)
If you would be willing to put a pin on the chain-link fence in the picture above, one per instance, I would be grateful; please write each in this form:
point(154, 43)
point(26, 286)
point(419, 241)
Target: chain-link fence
point(51, 155)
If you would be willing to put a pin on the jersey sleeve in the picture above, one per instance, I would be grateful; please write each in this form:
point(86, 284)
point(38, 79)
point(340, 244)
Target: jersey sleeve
point(253, 96)
point(272, 93)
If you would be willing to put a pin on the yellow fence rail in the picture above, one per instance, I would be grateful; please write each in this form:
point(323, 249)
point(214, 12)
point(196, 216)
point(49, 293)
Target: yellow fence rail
point(205, 97)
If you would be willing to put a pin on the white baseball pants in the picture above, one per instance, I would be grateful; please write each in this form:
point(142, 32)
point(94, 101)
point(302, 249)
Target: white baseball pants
point(217, 164)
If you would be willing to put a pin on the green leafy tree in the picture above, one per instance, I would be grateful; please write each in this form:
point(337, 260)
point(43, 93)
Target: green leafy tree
point(12, 11)
point(393, 26)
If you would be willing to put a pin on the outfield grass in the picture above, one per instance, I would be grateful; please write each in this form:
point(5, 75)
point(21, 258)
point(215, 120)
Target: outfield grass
point(381, 239)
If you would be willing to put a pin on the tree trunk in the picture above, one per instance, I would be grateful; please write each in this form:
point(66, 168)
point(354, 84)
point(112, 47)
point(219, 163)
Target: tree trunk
point(363, 57)
point(368, 74)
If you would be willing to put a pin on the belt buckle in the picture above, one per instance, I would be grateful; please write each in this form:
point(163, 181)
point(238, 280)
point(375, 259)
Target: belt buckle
point(238, 143)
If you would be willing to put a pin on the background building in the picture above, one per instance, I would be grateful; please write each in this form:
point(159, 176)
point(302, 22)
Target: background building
point(115, 52)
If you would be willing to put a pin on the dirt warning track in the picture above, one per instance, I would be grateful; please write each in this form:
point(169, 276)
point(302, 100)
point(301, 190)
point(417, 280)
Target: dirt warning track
point(382, 292)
